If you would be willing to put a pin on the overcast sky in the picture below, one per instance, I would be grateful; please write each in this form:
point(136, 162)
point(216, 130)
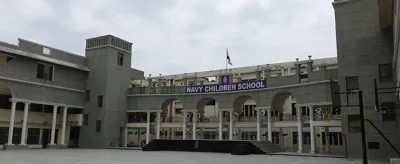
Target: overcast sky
point(178, 36)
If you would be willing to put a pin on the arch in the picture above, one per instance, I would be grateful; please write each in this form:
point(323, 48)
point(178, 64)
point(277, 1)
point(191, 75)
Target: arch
point(202, 103)
point(6, 89)
point(240, 101)
point(279, 100)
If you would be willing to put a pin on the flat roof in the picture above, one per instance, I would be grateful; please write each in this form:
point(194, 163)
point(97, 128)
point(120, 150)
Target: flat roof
point(42, 58)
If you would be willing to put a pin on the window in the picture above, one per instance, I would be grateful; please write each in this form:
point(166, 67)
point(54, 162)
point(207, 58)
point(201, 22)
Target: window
point(385, 73)
point(294, 138)
point(354, 123)
point(100, 101)
point(45, 71)
point(275, 137)
point(335, 138)
point(98, 126)
point(4, 58)
point(178, 110)
point(120, 59)
point(373, 145)
point(87, 95)
point(86, 119)
point(9, 58)
point(352, 83)
point(191, 83)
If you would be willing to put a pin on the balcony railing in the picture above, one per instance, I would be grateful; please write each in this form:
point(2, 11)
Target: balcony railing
point(210, 119)
point(271, 82)
point(247, 119)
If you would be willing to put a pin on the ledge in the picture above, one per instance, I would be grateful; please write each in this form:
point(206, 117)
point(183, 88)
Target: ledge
point(15, 147)
point(217, 93)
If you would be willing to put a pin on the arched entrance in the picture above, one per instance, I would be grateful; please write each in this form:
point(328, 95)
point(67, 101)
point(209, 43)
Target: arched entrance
point(172, 114)
point(283, 109)
point(246, 114)
point(207, 113)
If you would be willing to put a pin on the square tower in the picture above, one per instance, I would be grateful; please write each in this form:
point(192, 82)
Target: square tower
point(109, 61)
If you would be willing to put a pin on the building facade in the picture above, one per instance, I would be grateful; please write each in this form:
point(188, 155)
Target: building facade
point(55, 99)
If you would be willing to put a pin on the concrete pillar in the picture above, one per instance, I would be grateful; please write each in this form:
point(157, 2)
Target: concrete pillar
point(184, 126)
point(158, 125)
point(309, 66)
point(267, 73)
point(281, 138)
point(149, 84)
point(220, 125)
point(299, 130)
point(148, 128)
point(312, 129)
point(230, 125)
point(258, 125)
point(269, 125)
point(194, 125)
point(298, 72)
point(64, 126)
point(24, 123)
point(11, 127)
point(258, 75)
point(159, 83)
point(53, 125)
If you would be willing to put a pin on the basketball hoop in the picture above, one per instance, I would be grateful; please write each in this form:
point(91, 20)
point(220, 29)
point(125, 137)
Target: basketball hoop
point(326, 114)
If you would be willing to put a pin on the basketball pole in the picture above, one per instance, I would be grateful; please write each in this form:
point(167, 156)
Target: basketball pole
point(363, 140)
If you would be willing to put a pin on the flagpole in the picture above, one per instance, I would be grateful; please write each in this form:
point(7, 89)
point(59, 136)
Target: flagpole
point(226, 61)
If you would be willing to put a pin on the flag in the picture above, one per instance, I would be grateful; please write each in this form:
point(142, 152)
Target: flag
point(228, 58)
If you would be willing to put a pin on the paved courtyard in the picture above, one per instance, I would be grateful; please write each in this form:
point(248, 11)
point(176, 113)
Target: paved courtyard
point(107, 156)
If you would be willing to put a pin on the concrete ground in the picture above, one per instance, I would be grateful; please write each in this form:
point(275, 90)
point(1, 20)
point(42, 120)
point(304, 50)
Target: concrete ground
point(107, 156)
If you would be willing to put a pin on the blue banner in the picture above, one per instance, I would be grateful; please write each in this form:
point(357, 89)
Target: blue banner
point(240, 86)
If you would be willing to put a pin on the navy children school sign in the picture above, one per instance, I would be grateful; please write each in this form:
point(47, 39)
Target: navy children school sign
point(226, 87)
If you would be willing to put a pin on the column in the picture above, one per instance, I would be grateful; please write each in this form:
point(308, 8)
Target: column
point(231, 125)
point(299, 130)
point(312, 129)
point(327, 140)
point(258, 125)
point(24, 122)
point(12, 117)
point(148, 128)
point(220, 125)
point(64, 126)
point(53, 125)
point(184, 126)
point(194, 125)
point(158, 125)
point(269, 125)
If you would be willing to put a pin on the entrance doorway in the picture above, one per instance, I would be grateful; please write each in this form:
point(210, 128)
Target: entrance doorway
point(74, 137)
point(46, 137)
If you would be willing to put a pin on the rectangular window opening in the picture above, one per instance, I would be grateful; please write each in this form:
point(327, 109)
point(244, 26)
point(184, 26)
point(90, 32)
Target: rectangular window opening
point(45, 71)
point(120, 59)
point(98, 125)
point(100, 101)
